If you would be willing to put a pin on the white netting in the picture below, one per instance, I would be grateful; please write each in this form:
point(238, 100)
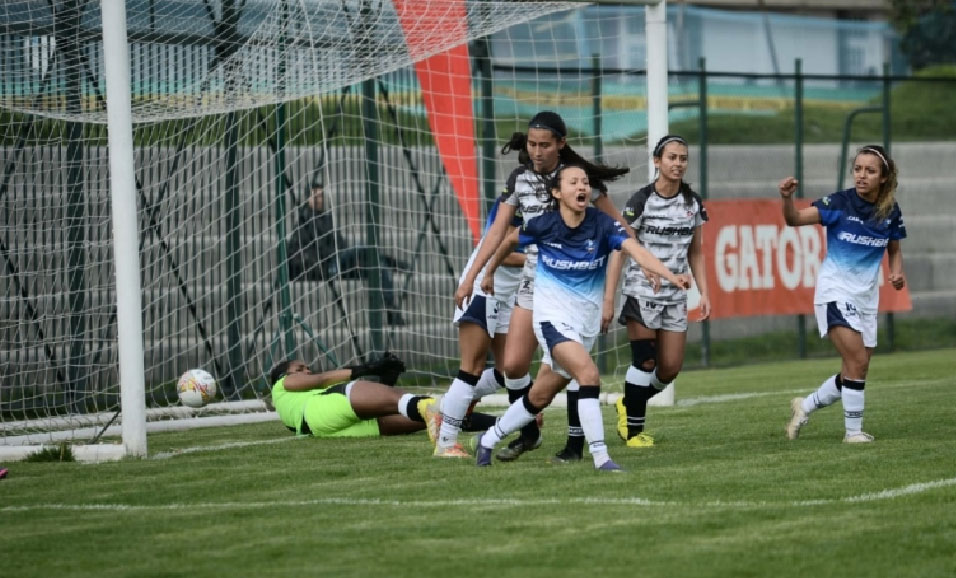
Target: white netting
point(191, 59)
point(236, 116)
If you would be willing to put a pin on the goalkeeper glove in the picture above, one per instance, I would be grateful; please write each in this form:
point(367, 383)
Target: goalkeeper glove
point(388, 368)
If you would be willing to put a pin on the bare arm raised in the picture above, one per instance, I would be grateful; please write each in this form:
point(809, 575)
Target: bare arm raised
point(794, 217)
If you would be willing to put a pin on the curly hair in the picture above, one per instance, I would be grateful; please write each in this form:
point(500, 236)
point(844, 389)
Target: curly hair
point(885, 198)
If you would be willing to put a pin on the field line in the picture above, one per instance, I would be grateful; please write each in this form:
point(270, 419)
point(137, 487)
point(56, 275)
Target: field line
point(908, 490)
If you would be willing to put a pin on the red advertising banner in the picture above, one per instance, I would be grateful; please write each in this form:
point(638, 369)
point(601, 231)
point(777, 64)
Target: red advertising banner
point(757, 265)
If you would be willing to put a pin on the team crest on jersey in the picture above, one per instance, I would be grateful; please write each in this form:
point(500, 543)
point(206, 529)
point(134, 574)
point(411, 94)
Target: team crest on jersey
point(590, 246)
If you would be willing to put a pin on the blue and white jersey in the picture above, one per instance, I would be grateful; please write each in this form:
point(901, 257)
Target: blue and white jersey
point(572, 264)
point(528, 192)
point(855, 245)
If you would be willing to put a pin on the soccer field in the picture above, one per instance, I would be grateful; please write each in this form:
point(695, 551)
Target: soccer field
point(722, 494)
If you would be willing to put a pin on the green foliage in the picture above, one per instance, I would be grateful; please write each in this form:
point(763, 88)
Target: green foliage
point(920, 110)
point(722, 494)
point(60, 453)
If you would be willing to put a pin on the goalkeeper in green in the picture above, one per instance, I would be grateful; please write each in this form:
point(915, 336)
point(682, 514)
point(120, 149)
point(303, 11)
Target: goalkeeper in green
point(338, 403)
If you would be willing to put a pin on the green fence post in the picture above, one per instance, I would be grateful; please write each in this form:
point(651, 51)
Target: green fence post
point(488, 160)
point(887, 141)
point(702, 119)
point(372, 193)
point(798, 172)
point(598, 156)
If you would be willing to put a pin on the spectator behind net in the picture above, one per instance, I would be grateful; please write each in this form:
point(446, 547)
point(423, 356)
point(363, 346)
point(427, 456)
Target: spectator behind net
point(315, 244)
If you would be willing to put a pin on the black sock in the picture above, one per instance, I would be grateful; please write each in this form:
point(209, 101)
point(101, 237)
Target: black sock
point(412, 408)
point(575, 441)
point(635, 400)
point(477, 421)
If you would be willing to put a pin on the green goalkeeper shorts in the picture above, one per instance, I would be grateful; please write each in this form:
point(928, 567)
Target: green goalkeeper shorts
point(330, 415)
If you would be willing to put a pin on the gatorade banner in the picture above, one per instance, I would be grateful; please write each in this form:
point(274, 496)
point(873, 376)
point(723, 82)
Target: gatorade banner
point(757, 265)
point(445, 81)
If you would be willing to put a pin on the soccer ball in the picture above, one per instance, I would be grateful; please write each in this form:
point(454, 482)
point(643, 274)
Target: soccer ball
point(196, 388)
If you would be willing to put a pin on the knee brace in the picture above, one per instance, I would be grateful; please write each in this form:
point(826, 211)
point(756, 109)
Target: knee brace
point(642, 351)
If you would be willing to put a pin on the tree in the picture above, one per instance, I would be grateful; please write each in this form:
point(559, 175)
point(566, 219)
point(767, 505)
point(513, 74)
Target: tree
point(927, 29)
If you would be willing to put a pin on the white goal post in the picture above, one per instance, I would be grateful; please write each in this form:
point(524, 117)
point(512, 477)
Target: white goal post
point(157, 171)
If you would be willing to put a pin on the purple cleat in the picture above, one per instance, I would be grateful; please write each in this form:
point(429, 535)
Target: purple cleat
point(482, 456)
point(610, 466)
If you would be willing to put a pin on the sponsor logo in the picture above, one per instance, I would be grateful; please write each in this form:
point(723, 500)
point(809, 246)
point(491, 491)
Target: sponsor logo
point(555, 245)
point(572, 265)
point(862, 240)
point(668, 230)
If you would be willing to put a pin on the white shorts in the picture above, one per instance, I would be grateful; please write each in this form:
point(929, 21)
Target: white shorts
point(505, 307)
point(653, 315)
point(550, 334)
point(525, 296)
point(842, 314)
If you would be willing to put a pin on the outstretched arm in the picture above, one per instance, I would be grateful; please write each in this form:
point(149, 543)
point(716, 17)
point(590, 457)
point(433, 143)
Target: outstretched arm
point(648, 261)
point(305, 381)
point(793, 217)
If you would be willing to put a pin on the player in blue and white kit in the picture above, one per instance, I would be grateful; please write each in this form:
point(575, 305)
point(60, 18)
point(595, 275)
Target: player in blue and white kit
point(862, 222)
point(482, 325)
point(574, 245)
point(541, 152)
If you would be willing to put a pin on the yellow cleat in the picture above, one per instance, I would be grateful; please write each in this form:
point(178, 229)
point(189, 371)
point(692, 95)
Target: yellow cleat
point(428, 409)
point(621, 418)
point(641, 440)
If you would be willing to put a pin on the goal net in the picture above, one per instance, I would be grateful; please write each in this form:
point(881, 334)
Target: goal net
point(311, 176)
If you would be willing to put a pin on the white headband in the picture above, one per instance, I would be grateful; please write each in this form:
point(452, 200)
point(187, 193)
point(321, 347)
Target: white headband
point(877, 153)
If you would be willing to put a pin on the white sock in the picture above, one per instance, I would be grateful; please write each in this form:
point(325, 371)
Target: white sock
point(514, 418)
point(638, 377)
point(519, 383)
point(852, 410)
point(403, 403)
point(454, 404)
point(656, 381)
point(487, 384)
point(825, 395)
point(589, 410)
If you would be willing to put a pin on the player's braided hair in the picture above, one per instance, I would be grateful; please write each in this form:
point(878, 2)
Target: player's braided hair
point(597, 173)
point(885, 198)
point(684, 188)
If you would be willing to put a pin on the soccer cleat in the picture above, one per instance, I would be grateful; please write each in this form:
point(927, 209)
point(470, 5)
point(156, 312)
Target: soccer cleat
point(610, 466)
point(641, 440)
point(517, 447)
point(798, 418)
point(621, 418)
point(483, 456)
point(428, 409)
point(857, 438)
point(565, 456)
point(455, 451)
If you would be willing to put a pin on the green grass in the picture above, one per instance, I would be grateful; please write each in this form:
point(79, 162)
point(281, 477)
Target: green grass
point(722, 494)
